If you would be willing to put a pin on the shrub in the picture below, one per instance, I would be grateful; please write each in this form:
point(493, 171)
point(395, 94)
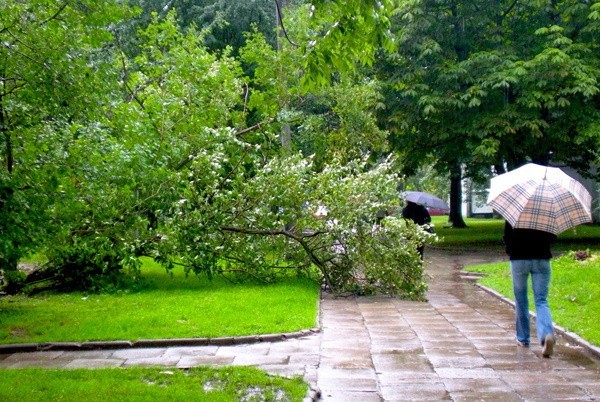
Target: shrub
point(12, 281)
point(581, 255)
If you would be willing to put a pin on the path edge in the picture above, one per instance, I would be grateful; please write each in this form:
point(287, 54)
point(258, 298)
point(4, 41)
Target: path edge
point(571, 336)
point(154, 343)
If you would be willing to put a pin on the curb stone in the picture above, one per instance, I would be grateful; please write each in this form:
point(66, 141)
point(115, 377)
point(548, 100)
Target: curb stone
point(150, 343)
point(313, 394)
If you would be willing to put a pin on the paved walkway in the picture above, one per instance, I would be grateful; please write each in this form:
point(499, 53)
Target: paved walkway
point(459, 346)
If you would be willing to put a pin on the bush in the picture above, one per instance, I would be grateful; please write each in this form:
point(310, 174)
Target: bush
point(12, 281)
point(581, 255)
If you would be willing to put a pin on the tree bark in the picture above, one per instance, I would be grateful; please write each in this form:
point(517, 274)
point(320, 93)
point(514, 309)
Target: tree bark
point(456, 198)
point(7, 139)
point(286, 132)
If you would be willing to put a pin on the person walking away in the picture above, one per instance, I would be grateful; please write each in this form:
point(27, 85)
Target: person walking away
point(419, 215)
point(529, 254)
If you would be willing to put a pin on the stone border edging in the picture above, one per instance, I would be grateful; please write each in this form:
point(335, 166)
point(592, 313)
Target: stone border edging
point(571, 336)
point(153, 343)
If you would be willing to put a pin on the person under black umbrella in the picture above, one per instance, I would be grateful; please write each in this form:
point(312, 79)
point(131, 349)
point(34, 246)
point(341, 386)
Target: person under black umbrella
point(419, 215)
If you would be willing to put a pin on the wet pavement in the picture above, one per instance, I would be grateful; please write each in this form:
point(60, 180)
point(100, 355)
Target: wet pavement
point(458, 346)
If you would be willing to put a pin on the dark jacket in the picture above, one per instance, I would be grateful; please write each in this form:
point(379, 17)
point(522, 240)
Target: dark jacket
point(417, 213)
point(527, 244)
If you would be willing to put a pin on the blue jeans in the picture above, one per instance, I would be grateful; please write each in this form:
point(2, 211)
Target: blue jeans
point(540, 271)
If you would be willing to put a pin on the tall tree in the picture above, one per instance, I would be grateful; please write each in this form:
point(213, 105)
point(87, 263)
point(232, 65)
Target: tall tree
point(482, 83)
point(428, 114)
point(331, 122)
point(549, 86)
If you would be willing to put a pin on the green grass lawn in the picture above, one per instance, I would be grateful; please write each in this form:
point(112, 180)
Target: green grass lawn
point(487, 234)
point(574, 295)
point(163, 306)
point(148, 384)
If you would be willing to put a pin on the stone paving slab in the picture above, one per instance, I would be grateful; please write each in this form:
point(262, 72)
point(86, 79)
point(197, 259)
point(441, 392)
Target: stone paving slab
point(191, 351)
point(351, 396)
point(151, 362)
point(429, 391)
point(93, 363)
point(194, 361)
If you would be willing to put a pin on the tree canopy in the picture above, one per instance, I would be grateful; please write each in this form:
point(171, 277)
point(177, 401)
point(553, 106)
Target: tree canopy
point(156, 145)
point(486, 83)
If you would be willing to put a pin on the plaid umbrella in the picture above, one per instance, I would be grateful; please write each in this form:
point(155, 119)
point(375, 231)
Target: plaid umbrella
point(425, 199)
point(540, 197)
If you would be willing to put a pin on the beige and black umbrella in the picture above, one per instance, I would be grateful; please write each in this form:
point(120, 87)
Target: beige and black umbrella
point(540, 197)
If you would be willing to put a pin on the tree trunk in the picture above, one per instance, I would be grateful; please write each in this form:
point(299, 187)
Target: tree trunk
point(7, 139)
point(286, 132)
point(456, 198)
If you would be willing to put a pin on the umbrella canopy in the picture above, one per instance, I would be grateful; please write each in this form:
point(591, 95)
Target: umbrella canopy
point(425, 199)
point(540, 197)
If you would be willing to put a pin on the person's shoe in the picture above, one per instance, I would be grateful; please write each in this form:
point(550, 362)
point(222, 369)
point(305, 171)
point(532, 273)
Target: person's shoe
point(548, 346)
point(523, 344)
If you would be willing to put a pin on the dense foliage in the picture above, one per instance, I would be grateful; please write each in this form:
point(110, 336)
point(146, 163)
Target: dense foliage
point(173, 151)
point(56, 79)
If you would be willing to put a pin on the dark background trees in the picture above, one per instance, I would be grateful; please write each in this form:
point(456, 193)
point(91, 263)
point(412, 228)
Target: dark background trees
point(224, 21)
